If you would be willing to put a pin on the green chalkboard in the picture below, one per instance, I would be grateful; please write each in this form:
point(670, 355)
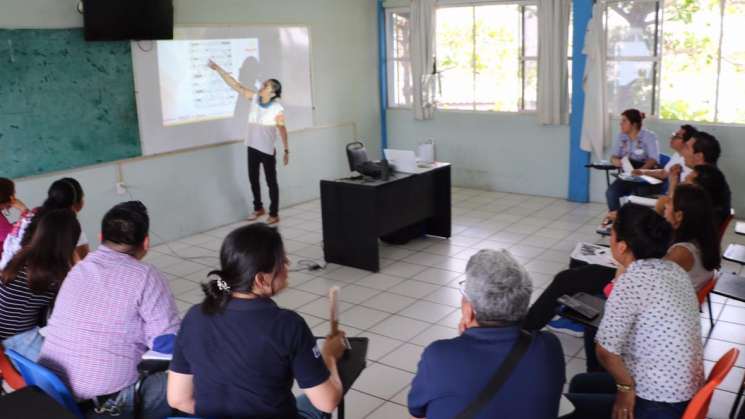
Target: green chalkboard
point(64, 102)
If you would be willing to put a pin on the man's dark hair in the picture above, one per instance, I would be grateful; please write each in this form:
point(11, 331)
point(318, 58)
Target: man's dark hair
point(126, 224)
point(688, 132)
point(708, 145)
point(712, 180)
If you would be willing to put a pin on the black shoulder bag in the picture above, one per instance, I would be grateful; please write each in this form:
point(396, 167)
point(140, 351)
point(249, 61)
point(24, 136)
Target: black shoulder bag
point(499, 378)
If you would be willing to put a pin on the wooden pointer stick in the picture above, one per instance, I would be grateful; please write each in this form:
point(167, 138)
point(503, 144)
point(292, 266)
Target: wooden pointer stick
point(334, 308)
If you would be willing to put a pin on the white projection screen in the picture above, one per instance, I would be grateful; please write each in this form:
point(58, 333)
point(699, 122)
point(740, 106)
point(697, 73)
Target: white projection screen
point(183, 104)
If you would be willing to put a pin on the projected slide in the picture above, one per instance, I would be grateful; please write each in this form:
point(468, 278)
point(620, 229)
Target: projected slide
point(181, 103)
point(190, 91)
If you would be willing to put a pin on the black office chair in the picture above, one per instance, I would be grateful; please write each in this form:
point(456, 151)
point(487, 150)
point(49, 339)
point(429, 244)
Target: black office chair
point(356, 155)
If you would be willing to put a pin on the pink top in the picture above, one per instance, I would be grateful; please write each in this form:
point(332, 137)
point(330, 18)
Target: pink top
point(108, 311)
point(5, 228)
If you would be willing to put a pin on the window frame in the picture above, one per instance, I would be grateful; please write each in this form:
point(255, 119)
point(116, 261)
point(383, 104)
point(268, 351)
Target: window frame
point(523, 58)
point(390, 60)
point(656, 59)
point(659, 59)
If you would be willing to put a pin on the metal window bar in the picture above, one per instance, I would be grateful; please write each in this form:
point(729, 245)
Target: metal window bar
point(521, 75)
point(719, 59)
point(657, 56)
point(473, 57)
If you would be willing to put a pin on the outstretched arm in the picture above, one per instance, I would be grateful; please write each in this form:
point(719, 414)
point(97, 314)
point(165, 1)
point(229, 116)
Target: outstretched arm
point(231, 81)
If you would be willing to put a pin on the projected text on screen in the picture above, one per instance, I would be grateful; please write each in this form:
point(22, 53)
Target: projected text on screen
point(189, 90)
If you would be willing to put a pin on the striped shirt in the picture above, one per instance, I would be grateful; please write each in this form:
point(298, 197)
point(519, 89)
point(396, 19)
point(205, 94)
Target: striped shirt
point(20, 308)
point(109, 309)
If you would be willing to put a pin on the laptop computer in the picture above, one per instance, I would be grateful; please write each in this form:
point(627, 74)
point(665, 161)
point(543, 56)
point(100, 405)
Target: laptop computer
point(403, 161)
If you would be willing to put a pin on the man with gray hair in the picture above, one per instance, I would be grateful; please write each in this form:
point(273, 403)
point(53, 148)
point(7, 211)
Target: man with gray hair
point(452, 372)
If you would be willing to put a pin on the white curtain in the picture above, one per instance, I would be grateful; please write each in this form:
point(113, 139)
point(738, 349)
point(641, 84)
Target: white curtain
point(553, 35)
point(596, 124)
point(423, 56)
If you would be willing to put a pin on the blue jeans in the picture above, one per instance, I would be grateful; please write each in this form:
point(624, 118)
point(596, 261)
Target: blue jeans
point(154, 403)
point(593, 396)
point(306, 410)
point(620, 188)
point(27, 343)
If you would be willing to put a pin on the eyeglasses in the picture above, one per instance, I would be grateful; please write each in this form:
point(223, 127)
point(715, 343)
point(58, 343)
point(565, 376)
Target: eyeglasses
point(675, 136)
point(462, 289)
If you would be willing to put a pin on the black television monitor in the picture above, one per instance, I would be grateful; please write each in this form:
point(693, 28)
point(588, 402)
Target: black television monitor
point(116, 20)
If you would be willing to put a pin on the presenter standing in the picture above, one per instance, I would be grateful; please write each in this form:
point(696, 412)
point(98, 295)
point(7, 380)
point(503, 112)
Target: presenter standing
point(266, 120)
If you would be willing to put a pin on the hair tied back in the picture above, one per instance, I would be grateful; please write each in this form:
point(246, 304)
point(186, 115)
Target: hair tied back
point(222, 285)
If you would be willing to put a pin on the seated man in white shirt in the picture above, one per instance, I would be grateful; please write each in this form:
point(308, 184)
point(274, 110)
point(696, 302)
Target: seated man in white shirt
point(678, 141)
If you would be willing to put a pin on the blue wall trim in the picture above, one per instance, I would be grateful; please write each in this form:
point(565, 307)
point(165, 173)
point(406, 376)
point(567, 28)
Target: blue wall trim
point(383, 77)
point(579, 176)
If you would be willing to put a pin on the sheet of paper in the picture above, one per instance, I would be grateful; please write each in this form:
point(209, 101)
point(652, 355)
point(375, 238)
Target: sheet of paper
point(651, 180)
point(157, 355)
point(640, 200)
point(627, 166)
point(593, 254)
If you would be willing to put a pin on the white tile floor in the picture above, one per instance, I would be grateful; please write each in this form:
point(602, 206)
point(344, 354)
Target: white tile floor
point(414, 299)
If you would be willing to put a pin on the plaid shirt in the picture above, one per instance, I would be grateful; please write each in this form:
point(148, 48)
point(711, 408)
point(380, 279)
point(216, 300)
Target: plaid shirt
point(109, 309)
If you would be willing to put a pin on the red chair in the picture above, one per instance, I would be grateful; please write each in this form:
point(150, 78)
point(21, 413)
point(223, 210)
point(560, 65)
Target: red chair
point(699, 404)
point(705, 291)
point(8, 372)
point(703, 294)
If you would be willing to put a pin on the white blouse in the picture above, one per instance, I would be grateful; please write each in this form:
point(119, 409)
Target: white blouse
point(652, 321)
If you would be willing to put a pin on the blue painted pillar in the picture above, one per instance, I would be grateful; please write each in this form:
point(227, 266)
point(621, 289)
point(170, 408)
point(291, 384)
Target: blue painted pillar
point(579, 175)
point(383, 77)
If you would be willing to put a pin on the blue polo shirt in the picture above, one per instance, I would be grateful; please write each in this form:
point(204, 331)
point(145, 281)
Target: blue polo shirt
point(644, 147)
point(244, 360)
point(453, 372)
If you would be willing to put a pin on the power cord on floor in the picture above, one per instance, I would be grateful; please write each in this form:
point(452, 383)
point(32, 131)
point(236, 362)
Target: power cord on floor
point(308, 265)
point(167, 244)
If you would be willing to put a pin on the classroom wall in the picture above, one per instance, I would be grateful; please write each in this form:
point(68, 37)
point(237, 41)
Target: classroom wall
point(198, 190)
point(513, 153)
point(493, 151)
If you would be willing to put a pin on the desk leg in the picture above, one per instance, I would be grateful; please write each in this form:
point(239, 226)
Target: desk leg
point(357, 251)
point(441, 223)
point(349, 237)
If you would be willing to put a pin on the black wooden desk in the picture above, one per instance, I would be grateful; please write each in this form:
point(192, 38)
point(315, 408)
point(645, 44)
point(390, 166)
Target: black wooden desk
point(355, 214)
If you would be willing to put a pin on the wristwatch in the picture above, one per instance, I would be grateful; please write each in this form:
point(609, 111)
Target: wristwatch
point(624, 388)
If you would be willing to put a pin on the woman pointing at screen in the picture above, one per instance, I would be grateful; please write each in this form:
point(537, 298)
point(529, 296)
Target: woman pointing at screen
point(266, 120)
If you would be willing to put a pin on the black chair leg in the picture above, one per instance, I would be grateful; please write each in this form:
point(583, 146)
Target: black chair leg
point(340, 409)
point(737, 402)
point(711, 313)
